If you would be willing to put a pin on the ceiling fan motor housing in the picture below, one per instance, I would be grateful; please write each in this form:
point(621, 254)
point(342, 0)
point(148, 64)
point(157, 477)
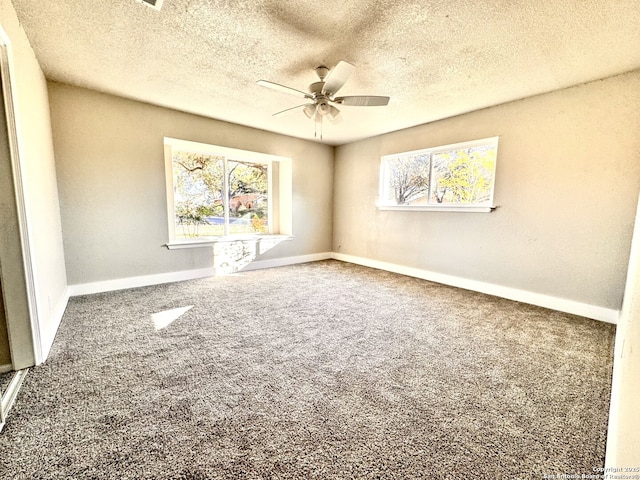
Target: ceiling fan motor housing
point(316, 88)
point(320, 99)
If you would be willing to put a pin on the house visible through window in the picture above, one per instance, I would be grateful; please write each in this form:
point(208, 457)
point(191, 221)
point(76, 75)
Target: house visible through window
point(216, 191)
point(455, 177)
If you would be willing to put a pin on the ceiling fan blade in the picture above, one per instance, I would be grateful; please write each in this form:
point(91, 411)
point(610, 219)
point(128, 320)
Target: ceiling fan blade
point(287, 110)
point(282, 88)
point(362, 101)
point(337, 77)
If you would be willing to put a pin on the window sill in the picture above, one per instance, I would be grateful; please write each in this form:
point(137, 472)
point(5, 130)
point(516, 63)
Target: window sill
point(211, 241)
point(432, 208)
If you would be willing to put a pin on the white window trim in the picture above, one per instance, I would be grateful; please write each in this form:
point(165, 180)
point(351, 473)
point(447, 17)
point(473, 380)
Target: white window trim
point(283, 219)
point(211, 241)
point(444, 208)
point(469, 208)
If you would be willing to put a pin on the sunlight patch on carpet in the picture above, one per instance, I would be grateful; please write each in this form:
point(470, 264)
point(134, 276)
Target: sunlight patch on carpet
point(167, 317)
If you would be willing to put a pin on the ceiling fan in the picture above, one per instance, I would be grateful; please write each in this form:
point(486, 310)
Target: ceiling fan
point(322, 95)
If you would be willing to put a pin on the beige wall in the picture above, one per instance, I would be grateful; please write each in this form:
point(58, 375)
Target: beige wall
point(110, 164)
point(567, 179)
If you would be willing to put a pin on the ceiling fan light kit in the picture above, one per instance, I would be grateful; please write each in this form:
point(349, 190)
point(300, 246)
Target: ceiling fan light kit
point(309, 110)
point(322, 95)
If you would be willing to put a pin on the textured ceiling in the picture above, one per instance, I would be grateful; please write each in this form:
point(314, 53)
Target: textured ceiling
point(435, 59)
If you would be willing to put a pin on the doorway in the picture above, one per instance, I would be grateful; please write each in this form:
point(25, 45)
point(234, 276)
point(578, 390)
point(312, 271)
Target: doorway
point(16, 269)
point(19, 327)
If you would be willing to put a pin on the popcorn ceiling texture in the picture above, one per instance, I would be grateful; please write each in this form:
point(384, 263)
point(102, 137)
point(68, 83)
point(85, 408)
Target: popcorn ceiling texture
point(434, 59)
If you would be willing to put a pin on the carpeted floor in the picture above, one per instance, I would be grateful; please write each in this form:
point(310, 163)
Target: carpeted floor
point(5, 379)
point(320, 371)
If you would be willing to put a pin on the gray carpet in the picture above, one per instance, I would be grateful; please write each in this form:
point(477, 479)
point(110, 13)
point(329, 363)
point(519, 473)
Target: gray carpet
point(5, 379)
point(321, 371)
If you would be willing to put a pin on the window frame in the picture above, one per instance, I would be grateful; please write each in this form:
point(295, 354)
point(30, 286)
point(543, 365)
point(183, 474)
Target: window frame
point(278, 209)
point(431, 151)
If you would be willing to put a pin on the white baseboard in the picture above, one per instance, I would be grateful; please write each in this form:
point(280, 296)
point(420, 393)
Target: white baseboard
point(281, 262)
point(146, 280)
point(134, 282)
point(9, 396)
point(563, 305)
point(554, 303)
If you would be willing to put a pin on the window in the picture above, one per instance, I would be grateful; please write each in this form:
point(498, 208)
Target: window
point(217, 192)
point(451, 177)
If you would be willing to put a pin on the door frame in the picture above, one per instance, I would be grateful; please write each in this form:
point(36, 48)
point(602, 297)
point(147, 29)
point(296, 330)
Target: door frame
point(24, 333)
